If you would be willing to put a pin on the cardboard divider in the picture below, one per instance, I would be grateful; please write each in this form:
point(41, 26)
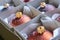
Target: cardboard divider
point(49, 23)
point(17, 2)
point(34, 11)
point(55, 2)
point(51, 13)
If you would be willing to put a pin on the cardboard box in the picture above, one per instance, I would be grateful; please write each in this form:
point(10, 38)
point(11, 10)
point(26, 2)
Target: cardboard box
point(37, 18)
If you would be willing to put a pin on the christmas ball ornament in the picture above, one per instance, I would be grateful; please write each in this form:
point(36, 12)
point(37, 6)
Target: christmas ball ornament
point(49, 7)
point(40, 34)
point(20, 19)
point(40, 29)
point(46, 7)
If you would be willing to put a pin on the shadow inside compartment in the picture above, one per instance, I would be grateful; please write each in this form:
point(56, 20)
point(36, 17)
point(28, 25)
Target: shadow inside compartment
point(1, 38)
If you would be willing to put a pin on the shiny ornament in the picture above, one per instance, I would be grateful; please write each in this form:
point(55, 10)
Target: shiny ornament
point(49, 7)
point(40, 34)
point(20, 19)
point(46, 7)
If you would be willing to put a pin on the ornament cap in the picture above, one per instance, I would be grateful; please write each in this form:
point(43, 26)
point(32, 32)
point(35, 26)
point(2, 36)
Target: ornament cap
point(41, 29)
point(6, 5)
point(19, 14)
point(42, 4)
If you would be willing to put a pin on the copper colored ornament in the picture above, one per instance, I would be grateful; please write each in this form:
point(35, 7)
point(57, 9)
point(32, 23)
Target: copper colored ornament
point(40, 34)
point(20, 19)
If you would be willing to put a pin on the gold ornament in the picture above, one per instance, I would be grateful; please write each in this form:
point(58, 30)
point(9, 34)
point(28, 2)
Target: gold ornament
point(19, 14)
point(40, 29)
point(42, 4)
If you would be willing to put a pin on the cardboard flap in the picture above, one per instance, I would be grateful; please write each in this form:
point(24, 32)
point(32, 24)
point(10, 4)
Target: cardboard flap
point(31, 11)
point(56, 34)
point(1, 8)
point(59, 6)
point(34, 11)
point(56, 2)
point(54, 13)
point(50, 13)
point(7, 12)
point(27, 11)
point(20, 7)
point(49, 23)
